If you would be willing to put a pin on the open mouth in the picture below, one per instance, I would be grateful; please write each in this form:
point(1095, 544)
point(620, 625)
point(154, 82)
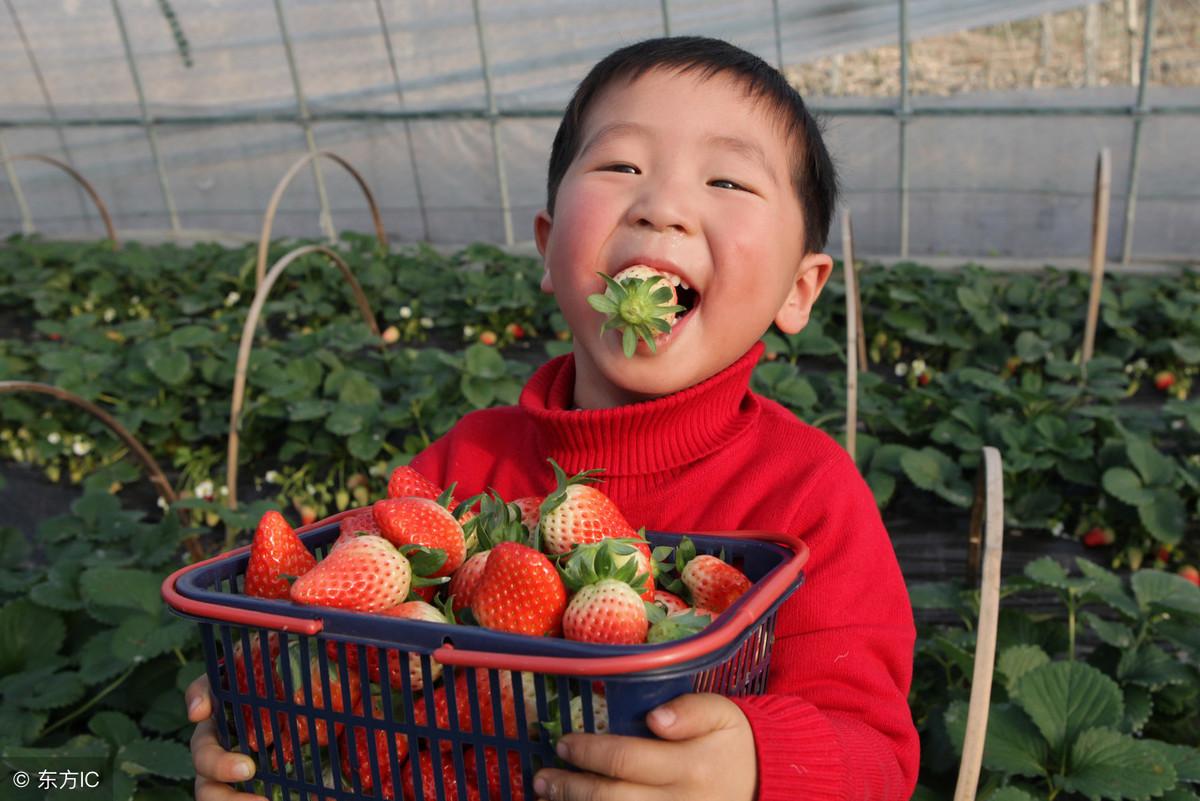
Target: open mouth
point(688, 298)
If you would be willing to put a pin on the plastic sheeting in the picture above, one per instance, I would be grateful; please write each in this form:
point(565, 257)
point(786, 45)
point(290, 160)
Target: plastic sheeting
point(975, 181)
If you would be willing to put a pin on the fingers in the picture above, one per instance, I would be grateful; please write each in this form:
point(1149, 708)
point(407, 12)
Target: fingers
point(198, 700)
point(695, 715)
point(207, 790)
point(214, 762)
point(564, 785)
point(631, 759)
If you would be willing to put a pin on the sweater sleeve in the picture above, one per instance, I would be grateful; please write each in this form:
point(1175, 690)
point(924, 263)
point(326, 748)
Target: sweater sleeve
point(836, 722)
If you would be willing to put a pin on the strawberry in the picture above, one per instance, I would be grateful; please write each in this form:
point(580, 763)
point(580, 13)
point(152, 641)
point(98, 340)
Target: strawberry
point(259, 674)
point(605, 606)
point(640, 302)
point(337, 698)
point(383, 759)
point(599, 714)
point(515, 330)
point(496, 522)
point(520, 592)
point(390, 335)
point(1164, 554)
point(428, 769)
point(669, 601)
point(411, 610)
point(363, 520)
point(461, 720)
point(367, 574)
point(1164, 380)
point(577, 513)
point(491, 763)
point(466, 579)
point(423, 522)
point(1190, 573)
point(529, 507)
point(488, 338)
point(276, 550)
point(711, 583)
point(408, 483)
point(1098, 537)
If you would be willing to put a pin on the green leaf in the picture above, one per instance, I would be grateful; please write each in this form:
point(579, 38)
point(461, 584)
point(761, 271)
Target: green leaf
point(1151, 667)
point(54, 692)
point(1017, 660)
point(1115, 634)
point(1186, 760)
point(935, 595)
point(1065, 698)
point(169, 365)
point(1139, 705)
point(922, 468)
point(164, 758)
point(1011, 794)
point(1154, 468)
point(1164, 517)
point(122, 587)
point(1124, 485)
point(345, 420)
point(114, 727)
point(1013, 745)
point(143, 637)
point(1107, 764)
point(1157, 589)
point(28, 634)
point(357, 390)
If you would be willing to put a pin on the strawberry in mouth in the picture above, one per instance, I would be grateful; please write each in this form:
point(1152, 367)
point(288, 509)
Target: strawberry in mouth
point(642, 303)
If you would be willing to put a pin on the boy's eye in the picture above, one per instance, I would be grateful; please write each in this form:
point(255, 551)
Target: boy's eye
point(721, 183)
point(628, 169)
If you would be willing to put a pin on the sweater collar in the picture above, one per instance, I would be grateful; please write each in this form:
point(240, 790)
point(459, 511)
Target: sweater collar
point(639, 438)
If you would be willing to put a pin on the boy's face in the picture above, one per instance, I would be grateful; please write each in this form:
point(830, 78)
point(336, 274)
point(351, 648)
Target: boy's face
point(690, 176)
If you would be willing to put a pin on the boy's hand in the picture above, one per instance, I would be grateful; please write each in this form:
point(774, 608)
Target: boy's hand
point(708, 754)
point(215, 767)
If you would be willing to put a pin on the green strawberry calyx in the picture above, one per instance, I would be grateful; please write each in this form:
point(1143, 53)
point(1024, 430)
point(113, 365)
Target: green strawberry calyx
point(637, 307)
point(592, 562)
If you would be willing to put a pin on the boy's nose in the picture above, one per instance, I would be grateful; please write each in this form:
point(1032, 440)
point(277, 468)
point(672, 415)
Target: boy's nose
point(662, 206)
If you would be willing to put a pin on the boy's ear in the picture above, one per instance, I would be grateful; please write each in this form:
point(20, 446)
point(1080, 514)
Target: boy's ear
point(542, 223)
point(814, 271)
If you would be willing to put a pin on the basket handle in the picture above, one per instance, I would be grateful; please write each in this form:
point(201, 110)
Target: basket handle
point(711, 639)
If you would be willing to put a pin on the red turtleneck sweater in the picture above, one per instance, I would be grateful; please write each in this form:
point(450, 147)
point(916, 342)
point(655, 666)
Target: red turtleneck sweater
point(716, 456)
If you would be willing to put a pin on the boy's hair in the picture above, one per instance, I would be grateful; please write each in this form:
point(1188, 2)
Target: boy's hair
point(813, 173)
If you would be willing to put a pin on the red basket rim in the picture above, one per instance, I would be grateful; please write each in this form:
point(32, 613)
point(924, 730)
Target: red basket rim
point(727, 628)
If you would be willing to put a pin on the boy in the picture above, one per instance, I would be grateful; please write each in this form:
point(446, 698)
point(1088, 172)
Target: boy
point(697, 159)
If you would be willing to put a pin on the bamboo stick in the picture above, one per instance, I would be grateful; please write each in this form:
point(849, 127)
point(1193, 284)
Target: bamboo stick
point(853, 340)
point(1099, 249)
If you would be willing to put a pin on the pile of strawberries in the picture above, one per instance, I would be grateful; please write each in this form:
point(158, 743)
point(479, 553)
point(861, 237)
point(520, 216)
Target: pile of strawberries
point(568, 564)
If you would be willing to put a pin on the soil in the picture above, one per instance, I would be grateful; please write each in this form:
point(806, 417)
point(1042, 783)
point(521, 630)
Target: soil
point(1043, 52)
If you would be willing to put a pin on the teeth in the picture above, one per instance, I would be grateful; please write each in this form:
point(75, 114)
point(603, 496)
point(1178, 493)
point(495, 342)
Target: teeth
point(684, 284)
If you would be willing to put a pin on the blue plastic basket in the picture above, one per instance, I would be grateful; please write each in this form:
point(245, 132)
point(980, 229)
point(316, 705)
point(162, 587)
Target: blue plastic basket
point(513, 684)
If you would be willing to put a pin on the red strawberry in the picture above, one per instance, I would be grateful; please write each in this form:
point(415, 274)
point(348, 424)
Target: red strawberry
point(923, 379)
point(428, 771)
point(488, 338)
point(1164, 554)
point(529, 510)
point(308, 515)
point(466, 579)
point(1098, 537)
point(367, 574)
point(258, 671)
point(604, 608)
point(1164, 380)
point(383, 759)
point(362, 520)
point(641, 303)
point(576, 513)
point(515, 330)
point(491, 763)
point(276, 550)
point(336, 698)
point(408, 483)
point(712, 583)
point(1190, 573)
point(520, 592)
point(669, 601)
point(423, 522)
point(412, 610)
point(483, 693)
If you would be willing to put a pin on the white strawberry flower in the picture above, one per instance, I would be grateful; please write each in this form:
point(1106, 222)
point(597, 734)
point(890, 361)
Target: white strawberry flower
point(162, 503)
point(81, 447)
point(469, 331)
point(232, 298)
point(901, 369)
point(918, 366)
point(272, 477)
point(405, 312)
point(1057, 529)
point(54, 438)
point(427, 322)
point(204, 489)
point(110, 314)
